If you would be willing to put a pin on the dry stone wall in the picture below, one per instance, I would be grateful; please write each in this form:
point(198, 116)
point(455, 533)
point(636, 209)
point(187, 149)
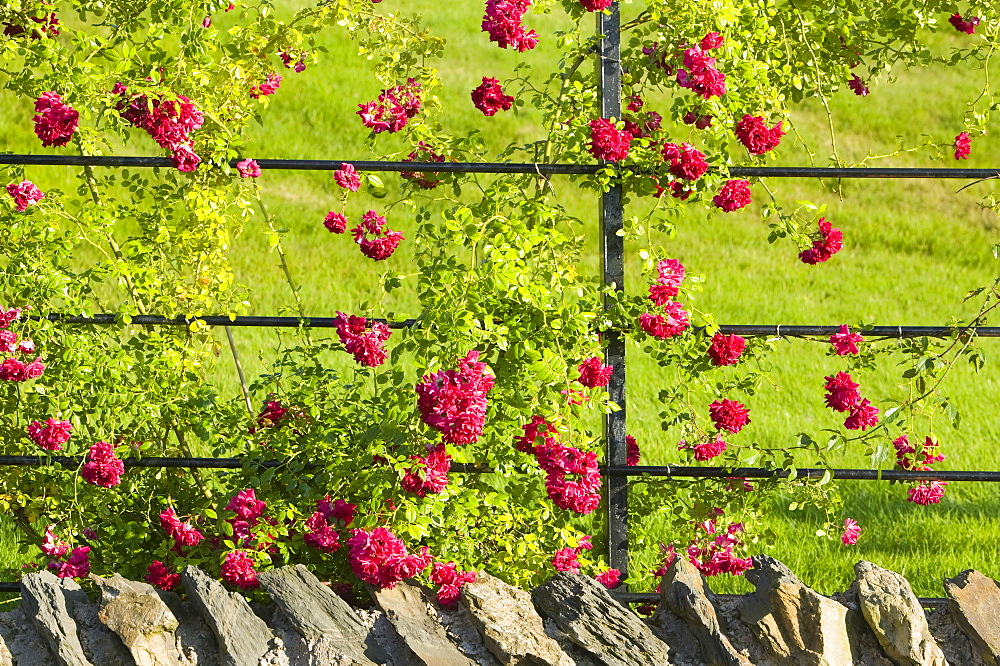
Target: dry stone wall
point(570, 619)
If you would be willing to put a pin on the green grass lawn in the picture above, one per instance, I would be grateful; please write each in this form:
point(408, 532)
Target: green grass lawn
point(912, 250)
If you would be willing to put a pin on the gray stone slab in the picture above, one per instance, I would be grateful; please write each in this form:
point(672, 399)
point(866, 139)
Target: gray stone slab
point(406, 607)
point(865, 646)
point(796, 624)
point(6, 656)
point(683, 591)
point(954, 642)
point(685, 650)
point(100, 644)
point(974, 601)
point(320, 615)
point(194, 637)
point(586, 613)
point(242, 637)
point(43, 600)
point(145, 624)
point(511, 628)
point(894, 614)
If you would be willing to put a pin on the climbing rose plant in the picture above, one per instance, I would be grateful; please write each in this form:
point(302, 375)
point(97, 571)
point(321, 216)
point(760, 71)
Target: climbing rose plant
point(351, 470)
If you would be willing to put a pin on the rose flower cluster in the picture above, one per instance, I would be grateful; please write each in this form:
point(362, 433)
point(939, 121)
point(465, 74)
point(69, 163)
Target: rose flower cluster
point(238, 566)
point(607, 142)
point(24, 194)
point(14, 369)
point(376, 240)
point(843, 396)
point(673, 320)
point(827, 242)
point(169, 121)
point(393, 108)
point(51, 435)
point(430, 474)
point(321, 526)
point(56, 122)
point(372, 235)
point(907, 457)
point(490, 98)
point(502, 22)
point(572, 476)
point(756, 136)
point(566, 559)
point(453, 402)
point(65, 563)
point(726, 349)
point(363, 341)
point(712, 553)
point(699, 73)
point(380, 558)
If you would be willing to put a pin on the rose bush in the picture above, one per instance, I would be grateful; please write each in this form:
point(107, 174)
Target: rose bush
point(351, 472)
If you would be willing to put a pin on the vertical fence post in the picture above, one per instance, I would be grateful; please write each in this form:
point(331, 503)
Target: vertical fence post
point(613, 272)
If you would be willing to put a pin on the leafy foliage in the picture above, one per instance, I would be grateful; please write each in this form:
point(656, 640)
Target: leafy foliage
point(498, 272)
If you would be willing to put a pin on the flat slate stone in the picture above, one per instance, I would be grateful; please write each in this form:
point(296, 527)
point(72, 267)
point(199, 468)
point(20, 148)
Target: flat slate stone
point(242, 637)
point(319, 614)
point(895, 615)
point(405, 606)
point(866, 647)
point(100, 644)
point(794, 622)
point(683, 591)
point(586, 613)
point(974, 601)
point(142, 621)
point(512, 629)
point(195, 639)
point(43, 600)
point(685, 650)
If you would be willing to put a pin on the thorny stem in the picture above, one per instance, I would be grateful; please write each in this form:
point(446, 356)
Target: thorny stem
point(315, 11)
point(887, 155)
point(88, 173)
point(986, 72)
point(819, 90)
point(283, 262)
point(643, 17)
point(949, 365)
point(195, 472)
point(541, 183)
point(22, 522)
point(239, 371)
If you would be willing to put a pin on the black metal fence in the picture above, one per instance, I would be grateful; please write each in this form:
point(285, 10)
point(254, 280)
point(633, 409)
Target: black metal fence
point(612, 272)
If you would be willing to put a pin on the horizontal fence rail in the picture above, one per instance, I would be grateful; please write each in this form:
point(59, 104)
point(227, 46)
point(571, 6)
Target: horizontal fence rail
point(802, 473)
point(193, 463)
point(501, 167)
point(211, 320)
point(671, 471)
point(311, 165)
point(750, 330)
